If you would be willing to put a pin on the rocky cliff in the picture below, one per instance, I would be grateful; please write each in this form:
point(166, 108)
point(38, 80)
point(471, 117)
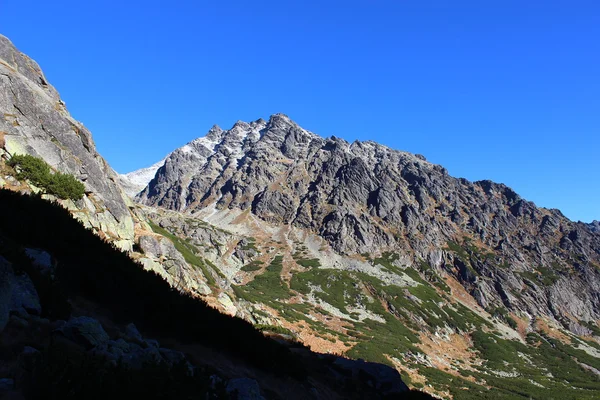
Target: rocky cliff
point(365, 198)
point(34, 120)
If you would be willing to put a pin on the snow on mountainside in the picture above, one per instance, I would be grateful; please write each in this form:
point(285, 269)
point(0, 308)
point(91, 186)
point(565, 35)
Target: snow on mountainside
point(199, 150)
point(135, 181)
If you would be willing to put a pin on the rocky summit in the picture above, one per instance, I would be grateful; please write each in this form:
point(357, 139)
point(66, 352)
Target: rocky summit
point(365, 198)
point(265, 261)
point(374, 253)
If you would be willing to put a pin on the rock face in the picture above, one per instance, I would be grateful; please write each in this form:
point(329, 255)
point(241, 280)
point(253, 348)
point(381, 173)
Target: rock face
point(363, 197)
point(34, 120)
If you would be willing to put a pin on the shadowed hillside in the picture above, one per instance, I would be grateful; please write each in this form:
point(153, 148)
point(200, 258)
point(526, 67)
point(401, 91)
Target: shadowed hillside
point(91, 269)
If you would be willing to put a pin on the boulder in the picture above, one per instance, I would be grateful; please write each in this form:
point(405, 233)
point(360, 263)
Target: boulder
point(385, 379)
point(6, 288)
point(6, 385)
point(41, 259)
point(244, 389)
point(132, 334)
point(85, 331)
point(24, 296)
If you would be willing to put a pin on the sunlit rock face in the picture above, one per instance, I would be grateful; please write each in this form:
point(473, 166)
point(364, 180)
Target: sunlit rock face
point(365, 198)
point(34, 120)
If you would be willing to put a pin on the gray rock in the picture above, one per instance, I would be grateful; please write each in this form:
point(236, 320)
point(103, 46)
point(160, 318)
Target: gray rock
point(172, 356)
point(26, 364)
point(24, 296)
point(244, 389)
point(41, 259)
point(363, 197)
point(161, 256)
point(6, 385)
point(35, 121)
point(139, 358)
point(19, 322)
point(152, 343)
point(386, 380)
point(85, 331)
point(6, 288)
point(132, 333)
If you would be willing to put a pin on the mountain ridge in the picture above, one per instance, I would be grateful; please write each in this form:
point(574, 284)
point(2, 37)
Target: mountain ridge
point(364, 197)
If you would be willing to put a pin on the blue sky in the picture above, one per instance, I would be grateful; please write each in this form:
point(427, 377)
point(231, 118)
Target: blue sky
point(502, 90)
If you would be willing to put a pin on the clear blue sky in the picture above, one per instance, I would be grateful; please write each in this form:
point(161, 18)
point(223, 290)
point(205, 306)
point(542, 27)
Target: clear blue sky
point(502, 90)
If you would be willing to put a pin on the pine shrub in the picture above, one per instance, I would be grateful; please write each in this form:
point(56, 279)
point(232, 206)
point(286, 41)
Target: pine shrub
point(38, 172)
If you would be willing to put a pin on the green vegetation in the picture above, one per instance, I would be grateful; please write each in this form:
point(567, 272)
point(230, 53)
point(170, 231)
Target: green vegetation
point(591, 326)
point(338, 288)
point(253, 266)
point(266, 288)
point(38, 172)
point(187, 250)
point(308, 263)
point(250, 245)
point(543, 275)
point(299, 257)
point(502, 314)
point(274, 329)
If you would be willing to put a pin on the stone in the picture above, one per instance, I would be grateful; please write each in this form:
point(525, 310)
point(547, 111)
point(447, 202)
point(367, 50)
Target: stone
point(6, 384)
point(85, 331)
point(138, 358)
point(228, 306)
point(24, 295)
point(132, 333)
point(26, 364)
point(41, 259)
point(6, 288)
point(384, 378)
point(44, 128)
point(244, 389)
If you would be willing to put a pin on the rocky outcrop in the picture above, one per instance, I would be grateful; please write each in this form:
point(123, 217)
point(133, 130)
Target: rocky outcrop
point(6, 288)
point(365, 198)
point(18, 295)
point(161, 256)
point(34, 120)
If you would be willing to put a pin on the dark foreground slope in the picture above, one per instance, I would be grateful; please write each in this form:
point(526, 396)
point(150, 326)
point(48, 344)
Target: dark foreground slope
point(56, 274)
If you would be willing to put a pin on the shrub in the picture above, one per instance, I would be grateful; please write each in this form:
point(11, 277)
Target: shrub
point(31, 168)
point(37, 171)
point(65, 186)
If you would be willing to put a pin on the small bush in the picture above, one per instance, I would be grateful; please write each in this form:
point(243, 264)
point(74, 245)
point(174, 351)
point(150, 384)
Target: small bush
point(31, 168)
point(65, 186)
point(37, 171)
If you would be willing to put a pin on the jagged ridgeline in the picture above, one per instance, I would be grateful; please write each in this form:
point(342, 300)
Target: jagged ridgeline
point(461, 285)
point(363, 198)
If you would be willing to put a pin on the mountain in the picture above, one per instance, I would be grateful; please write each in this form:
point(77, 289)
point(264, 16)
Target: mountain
point(71, 300)
point(34, 120)
point(134, 182)
point(375, 253)
point(365, 198)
